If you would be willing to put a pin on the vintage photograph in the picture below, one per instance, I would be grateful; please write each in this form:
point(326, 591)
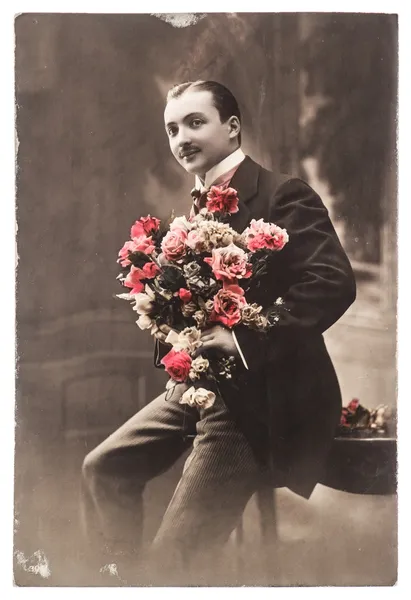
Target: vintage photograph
point(206, 292)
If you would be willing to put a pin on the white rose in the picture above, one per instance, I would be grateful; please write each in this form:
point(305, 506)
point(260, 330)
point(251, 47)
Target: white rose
point(198, 366)
point(125, 296)
point(187, 340)
point(181, 223)
point(191, 338)
point(144, 322)
point(143, 304)
point(172, 338)
point(198, 397)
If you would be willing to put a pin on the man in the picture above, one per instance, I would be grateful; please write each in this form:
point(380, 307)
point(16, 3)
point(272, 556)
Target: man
point(276, 421)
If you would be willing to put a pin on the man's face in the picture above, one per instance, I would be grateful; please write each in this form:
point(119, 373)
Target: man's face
point(197, 138)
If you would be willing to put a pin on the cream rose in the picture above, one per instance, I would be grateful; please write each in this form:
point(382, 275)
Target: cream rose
point(187, 340)
point(198, 367)
point(198, 397)
point(144, 322)
point(143, 304)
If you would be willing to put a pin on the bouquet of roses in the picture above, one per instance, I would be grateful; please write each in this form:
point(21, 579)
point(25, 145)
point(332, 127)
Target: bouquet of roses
point(194, 273)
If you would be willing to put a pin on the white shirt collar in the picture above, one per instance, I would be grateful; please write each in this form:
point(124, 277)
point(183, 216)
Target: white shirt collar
point(228, 163)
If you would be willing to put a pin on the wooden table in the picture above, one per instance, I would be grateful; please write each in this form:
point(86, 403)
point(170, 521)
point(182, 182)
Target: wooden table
point(362, 465)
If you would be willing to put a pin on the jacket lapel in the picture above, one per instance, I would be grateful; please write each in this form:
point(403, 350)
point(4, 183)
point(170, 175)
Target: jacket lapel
point(245, 181)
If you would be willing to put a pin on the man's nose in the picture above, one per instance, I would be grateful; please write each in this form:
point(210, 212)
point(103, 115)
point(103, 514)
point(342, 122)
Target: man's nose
point(184, 138)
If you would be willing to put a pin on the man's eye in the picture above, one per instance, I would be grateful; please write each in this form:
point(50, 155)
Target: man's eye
point(196, 122)
point(171, 131)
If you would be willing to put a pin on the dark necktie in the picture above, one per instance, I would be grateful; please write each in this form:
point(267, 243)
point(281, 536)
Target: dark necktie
point(199, 199)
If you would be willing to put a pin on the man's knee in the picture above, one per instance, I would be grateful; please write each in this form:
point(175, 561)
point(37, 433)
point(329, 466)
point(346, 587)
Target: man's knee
point(93, 465)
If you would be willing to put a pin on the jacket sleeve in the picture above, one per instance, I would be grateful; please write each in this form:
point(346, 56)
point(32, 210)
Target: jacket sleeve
point(322, 281)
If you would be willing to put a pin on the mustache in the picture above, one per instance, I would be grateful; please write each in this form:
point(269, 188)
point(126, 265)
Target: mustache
point(184, 151)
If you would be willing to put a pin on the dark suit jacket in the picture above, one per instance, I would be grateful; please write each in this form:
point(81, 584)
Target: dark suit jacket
point(288, 403)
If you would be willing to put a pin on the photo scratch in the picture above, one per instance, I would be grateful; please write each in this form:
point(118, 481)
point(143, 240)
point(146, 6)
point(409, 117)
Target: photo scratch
point(37, 563)
point(112, 570)
point(180, 19)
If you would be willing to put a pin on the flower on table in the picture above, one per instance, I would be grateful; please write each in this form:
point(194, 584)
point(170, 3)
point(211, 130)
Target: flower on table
point(353, 405)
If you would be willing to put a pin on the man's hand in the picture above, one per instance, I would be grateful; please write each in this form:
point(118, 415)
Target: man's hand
point(218, 338)
point(176, 391)
point(162, 333)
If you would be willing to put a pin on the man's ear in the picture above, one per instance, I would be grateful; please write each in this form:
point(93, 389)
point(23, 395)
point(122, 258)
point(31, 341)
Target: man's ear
point(234, 126)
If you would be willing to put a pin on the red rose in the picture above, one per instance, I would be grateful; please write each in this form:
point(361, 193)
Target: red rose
point(177, 364)
point(222, 200)
point(145, 226)
point(185, 295)
point(344, 414)
point(174, 244)
point(227, 305)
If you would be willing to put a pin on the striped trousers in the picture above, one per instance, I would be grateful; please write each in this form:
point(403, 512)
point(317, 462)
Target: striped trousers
point(219, 477)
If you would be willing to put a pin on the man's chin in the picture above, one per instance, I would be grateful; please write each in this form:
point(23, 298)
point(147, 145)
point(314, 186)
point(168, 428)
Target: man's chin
point(193, 167)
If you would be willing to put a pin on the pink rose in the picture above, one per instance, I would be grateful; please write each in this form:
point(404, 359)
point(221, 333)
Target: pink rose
point(173, 244)
point(353, 405)
point(181, 223)
point(229, 263)
point(133, 279)
point(261, 234)
point(185, 295)
point(124, 253)
point(150, 270)
point(177, 364)
point(222, 200)
point(195, 240)
point(144, 244)
point(145, 226)
point(227, 305)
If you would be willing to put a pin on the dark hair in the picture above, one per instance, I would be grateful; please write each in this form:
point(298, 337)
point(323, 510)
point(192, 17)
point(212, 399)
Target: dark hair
point(223, 99)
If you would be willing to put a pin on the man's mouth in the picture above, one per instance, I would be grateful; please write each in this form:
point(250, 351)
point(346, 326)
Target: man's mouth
point(188, 153)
